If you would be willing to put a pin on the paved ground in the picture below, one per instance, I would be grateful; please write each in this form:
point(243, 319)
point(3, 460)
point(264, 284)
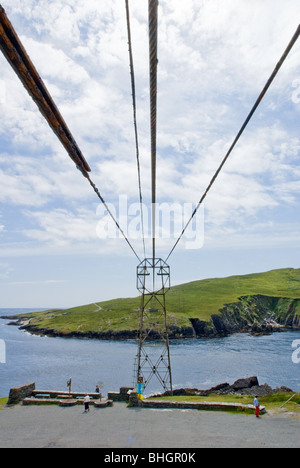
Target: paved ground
point(122, 427)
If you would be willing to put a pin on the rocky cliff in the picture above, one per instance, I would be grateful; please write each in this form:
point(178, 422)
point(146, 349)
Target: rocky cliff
point(254, 314)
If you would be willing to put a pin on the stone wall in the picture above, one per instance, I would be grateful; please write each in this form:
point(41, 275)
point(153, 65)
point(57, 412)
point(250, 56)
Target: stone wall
point(18, 394)
point(123, 395)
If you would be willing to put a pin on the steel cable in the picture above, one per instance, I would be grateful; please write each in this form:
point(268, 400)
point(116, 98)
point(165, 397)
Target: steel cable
point(19, 60)
point(135, 119)
point(153, 61)
point(259, 99)
point(17, 57)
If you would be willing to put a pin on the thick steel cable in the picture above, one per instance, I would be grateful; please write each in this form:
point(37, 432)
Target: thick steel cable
point(135, 120)
point(259, 99)
point(17, 57)
point(153, 20)
point(19, 60)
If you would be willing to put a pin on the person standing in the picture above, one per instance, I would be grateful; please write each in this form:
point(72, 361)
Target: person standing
point(256, 404)
point(86, 403)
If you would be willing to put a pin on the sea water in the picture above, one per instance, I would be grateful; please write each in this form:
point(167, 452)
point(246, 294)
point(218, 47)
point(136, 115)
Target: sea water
point(196, 363)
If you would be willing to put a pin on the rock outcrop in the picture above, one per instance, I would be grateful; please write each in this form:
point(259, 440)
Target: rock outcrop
point(253, 314)
point(246, 386)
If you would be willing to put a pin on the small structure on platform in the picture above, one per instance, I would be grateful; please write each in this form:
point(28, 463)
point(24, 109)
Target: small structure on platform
point(28, 395)
point(18, 394)
point(122, 395)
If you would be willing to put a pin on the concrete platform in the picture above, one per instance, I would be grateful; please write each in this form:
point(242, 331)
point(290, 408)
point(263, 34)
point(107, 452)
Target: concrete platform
point(203, 405)
point(104, 403)
point(66, 402)
point(60, 394)
point(40, 401)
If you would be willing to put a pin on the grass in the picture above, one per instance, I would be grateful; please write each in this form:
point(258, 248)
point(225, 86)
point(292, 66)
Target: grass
point(206, 297)
point(272, 402)
point(120, 314)
point(3, 401)
point(198, 299)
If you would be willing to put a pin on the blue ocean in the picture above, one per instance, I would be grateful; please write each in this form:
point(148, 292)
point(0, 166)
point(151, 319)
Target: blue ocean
point(197, 363)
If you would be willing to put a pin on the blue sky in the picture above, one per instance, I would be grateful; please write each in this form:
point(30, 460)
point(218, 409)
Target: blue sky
point(214, 59)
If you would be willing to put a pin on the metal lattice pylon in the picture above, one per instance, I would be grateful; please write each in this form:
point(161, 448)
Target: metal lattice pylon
point(153, 358)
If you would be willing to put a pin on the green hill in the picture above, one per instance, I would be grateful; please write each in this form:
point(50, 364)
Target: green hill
point(236, 300)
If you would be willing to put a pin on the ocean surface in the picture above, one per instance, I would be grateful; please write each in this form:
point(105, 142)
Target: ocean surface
point(202, 363)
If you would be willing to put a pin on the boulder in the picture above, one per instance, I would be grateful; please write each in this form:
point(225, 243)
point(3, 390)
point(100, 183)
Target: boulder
point(244, 383)
point(257, 390)
point(220, 389)
point(283, 389)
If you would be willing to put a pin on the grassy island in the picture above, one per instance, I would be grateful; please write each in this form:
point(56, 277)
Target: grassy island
point(194, 309)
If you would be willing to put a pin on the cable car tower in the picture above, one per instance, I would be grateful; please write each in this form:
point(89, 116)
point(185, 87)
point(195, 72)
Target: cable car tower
point(153, 358)
point(153, 274)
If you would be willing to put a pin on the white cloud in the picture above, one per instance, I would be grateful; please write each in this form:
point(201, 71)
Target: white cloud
point(55, 64)
point(62, 227)
point(213, 61)
point(261, 235)
point(37, 283)
point(25, 181)
point(5, 271)
point(2, 226)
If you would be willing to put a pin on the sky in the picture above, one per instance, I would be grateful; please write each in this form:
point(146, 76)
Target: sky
point(57, 247)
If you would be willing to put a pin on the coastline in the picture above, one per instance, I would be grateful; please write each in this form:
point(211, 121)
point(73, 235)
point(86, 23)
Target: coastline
point(258, 304)
point(218, 326)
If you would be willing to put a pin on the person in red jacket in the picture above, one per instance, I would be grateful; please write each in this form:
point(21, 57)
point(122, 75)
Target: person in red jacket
point(256, 404)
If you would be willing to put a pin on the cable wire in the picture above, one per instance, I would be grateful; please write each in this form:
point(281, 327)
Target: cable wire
point(259, 99)
point(153, 61)
point(135, 119)
point(16, 55)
